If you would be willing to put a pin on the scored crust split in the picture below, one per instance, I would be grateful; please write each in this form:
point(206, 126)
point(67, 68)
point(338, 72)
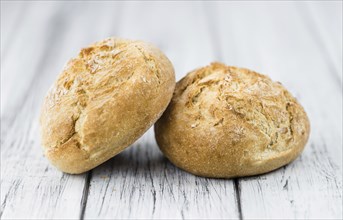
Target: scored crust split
point(103, 101)
point(225, 121)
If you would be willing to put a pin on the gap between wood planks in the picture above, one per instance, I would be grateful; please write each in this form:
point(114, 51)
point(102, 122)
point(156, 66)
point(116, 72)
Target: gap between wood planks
point(83, 204)
point(57, 22)
point(238, 197)
point(86, 189)
point(33, 86)
point(219, 56)
point(85, 194)
point(51, 44)
point(308, 20)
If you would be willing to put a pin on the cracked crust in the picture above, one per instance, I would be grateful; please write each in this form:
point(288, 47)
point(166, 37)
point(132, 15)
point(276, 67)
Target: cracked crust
point(103, 101)
point(226, 122)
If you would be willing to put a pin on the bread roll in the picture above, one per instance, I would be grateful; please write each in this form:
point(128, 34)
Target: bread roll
point(225, 121)
point(104, 100)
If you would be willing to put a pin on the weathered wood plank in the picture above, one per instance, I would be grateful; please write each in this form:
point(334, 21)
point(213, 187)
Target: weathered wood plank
point(12, 14)
point(27, 39)
point(30, 187)
point(178, 29)
point(140, 182)
point(31, 44)
point(326, 23)
point(274, 39)
point(25, 53)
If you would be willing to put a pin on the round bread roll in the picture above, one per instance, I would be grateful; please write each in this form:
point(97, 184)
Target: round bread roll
point(227, 122)
point(103, 101)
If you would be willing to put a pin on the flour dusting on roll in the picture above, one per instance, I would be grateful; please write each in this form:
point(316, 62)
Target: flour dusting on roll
point(225, 121)
point(104, 100)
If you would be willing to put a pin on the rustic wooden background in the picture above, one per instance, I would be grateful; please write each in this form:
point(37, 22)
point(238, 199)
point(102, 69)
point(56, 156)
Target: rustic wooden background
point(297, 43)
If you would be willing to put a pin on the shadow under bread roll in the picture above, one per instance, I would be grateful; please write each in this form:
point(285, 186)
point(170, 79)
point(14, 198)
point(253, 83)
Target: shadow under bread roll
point(103, 101)
point(225, 121)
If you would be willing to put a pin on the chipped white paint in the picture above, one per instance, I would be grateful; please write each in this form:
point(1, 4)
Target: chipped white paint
point(295, 43)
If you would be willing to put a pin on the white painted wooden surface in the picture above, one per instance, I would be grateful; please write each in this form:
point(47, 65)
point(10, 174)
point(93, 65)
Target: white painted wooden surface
point(299, 44)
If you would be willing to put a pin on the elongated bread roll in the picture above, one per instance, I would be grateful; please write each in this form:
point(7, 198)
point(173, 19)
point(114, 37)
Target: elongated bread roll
point(226, 122)
point(104, 100)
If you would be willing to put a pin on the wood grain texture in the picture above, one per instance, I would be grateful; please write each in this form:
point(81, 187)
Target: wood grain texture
point(311, 186)
point(144, 184)
point(30, 187)
point(140, 180)
point(29, 180)
point(298, 44)
point(17, 79)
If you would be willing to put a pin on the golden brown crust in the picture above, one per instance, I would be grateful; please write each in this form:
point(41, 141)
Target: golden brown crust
point(103, 101)
point(226, 121)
